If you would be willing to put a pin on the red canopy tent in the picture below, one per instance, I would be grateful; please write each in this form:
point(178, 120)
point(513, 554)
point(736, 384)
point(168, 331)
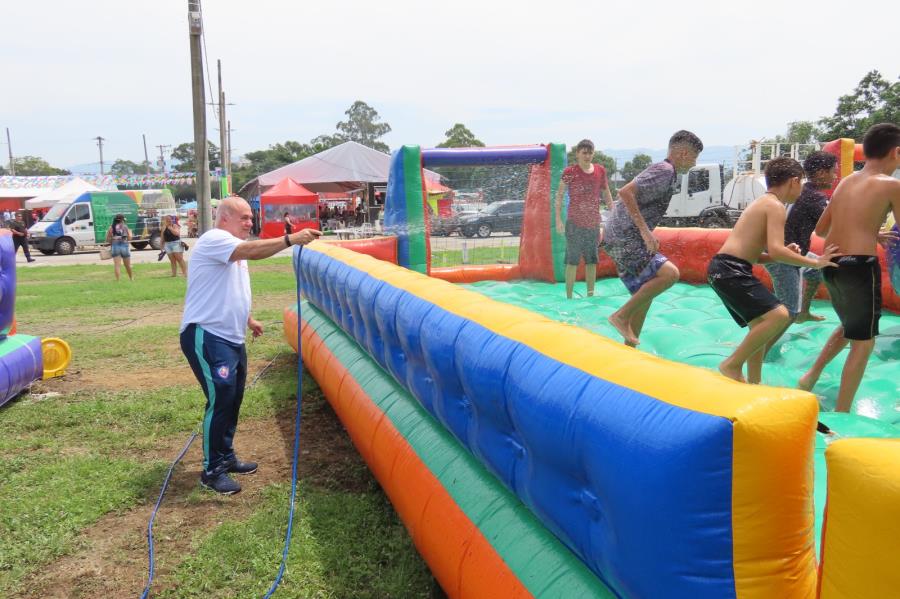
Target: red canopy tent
point(287, 197)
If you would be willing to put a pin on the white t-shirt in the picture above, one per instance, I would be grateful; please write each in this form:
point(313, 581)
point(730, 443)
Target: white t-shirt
point(218, 290)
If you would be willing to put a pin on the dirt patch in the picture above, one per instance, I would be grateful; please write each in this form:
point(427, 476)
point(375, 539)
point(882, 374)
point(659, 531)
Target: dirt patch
point(111, 559)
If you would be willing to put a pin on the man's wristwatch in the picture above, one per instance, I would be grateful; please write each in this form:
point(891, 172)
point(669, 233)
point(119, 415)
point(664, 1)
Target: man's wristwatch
point(287, 240)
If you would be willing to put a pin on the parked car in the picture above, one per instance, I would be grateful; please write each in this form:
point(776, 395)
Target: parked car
point(505, 216)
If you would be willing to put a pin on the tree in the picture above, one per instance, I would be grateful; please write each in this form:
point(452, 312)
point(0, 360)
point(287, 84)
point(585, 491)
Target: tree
point(633, 167)
point(459, 136)
point(363, 126)
point(802, 132)
point(127, 167)
point(34, 166)
point(875, 100)
point(184, 154)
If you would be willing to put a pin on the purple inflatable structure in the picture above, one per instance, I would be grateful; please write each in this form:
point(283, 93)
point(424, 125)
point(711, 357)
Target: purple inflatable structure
point(21, 360)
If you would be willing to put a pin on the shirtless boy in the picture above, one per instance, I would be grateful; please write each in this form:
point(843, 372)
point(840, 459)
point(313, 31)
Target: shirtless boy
point(629, 240)
point(852, 221)
point(730, 273)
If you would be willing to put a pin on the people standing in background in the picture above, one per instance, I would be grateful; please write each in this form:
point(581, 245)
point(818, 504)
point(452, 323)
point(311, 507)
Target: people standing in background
point(20, 235)
point(173, 246)
point(118, 235)
point(586, 183)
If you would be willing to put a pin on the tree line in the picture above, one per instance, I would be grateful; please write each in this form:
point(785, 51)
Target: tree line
point(875, 99)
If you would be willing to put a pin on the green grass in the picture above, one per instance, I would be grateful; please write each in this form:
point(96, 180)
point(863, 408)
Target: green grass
point(70, 460)
point(335, 538)
point(476, 255)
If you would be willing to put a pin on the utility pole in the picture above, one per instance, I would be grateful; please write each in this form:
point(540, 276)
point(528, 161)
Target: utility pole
point(100, 141)
point(162, 158)
point(223, 133)
point(12, 163)
point(201, 151)
point(228, 155)
point(146, 157)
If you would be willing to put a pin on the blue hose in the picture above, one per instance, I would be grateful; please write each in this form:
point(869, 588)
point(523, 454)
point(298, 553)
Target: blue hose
point(290, 524)
point(162, 492)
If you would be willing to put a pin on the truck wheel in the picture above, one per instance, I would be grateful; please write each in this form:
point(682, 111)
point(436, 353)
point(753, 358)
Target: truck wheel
point(46, 252)
point(64, 246)
point(714, 222)
point(139, 245)
point(155, 241)
point(484, 230)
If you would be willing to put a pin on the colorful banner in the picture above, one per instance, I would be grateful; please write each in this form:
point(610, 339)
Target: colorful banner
point(104, 182)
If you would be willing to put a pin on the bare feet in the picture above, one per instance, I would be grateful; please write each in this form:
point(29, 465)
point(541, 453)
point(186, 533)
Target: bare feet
point(807, 382)
point(731, 372)
point(624, 329)
point(807, 317)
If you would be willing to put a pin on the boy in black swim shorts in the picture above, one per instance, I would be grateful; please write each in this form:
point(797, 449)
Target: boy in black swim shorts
point(759, 236)
point(853, 220)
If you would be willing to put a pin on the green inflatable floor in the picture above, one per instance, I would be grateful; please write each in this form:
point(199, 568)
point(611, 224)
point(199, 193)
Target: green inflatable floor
point(689, 324)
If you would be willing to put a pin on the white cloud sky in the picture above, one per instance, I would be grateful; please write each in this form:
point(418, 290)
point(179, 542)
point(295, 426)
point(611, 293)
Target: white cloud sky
point(625, 74)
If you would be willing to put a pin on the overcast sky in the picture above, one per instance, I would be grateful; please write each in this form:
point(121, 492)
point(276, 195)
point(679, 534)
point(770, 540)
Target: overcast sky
point(626, 74)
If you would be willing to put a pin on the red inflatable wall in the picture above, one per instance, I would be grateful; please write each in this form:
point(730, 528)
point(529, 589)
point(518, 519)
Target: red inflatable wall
point(383, 248)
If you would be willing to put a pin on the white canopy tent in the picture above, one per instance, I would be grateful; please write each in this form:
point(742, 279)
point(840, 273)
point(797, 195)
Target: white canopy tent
point(69, 191)
point(347, 166)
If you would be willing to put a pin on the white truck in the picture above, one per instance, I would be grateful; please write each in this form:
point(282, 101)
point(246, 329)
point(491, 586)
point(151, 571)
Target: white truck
point(706, 201)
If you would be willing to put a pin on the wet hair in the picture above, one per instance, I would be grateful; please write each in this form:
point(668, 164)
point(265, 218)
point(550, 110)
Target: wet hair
point(818, 161)
point(585, 144)
point(781, 170)
point(880, 139)
point(686, 138)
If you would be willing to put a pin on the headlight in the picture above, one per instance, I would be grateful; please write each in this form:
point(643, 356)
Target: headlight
point(37, 234)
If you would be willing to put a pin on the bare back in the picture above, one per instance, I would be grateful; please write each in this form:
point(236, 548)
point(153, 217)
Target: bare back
point(750, 236)
point(858, 209)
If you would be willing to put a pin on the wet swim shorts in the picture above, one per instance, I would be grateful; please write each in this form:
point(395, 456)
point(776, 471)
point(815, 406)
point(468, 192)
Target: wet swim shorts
point(581, 242)
point(743, 294)
point(855, 288)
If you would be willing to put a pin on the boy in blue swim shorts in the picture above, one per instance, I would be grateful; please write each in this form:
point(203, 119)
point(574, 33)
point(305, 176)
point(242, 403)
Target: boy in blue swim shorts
point(629, 237)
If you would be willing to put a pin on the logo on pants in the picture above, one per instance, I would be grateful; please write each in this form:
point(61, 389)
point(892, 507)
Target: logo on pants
point(222, 371)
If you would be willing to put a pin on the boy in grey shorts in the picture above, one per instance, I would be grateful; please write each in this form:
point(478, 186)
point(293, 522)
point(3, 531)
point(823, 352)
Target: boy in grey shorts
point(788, 280)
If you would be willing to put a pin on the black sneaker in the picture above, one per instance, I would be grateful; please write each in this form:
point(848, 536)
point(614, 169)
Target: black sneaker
point(220, 483)
point(239, 467)
point(161, 255)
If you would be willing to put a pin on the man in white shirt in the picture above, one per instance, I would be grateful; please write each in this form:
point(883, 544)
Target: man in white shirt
point(216, 317)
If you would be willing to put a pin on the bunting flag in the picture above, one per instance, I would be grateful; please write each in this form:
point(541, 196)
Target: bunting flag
point(104, 182)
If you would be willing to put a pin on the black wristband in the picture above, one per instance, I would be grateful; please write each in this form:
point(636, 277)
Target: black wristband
point(287, 240)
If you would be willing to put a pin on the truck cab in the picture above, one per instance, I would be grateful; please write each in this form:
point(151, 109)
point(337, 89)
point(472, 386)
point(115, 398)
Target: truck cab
point(699, 200)
point(66, 226)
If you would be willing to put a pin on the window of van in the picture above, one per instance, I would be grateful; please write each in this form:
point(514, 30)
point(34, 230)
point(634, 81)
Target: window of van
point(78, 212)
point(56, 212)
